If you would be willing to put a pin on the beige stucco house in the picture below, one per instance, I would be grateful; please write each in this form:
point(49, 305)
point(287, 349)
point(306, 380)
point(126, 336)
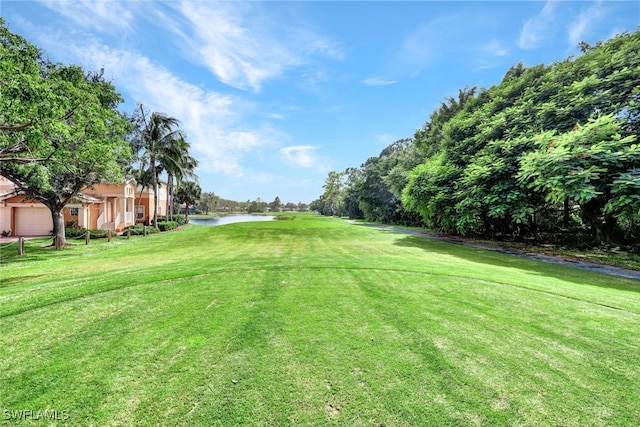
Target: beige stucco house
point(104, 206)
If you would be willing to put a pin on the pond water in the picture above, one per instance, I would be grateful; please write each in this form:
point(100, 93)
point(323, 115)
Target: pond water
point(231, 219)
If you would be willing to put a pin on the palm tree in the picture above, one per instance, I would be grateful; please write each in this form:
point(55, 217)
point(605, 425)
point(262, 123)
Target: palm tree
point(143, 179)
point(178, 164)
point(157, 134)
point(188, 193)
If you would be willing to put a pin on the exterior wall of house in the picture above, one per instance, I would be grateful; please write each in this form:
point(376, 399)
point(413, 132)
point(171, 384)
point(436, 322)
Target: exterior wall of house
point(6, 225)
point(118, 210)
point(106, 206)
point(144, 205)
point(6, 186)
point(25, 217)
point(6, 213)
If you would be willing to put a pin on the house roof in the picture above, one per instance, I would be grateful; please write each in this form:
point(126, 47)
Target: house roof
point(6, 196)
point(85, 198)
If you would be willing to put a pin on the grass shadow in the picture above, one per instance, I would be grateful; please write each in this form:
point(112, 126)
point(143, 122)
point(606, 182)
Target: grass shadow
point(510, 259)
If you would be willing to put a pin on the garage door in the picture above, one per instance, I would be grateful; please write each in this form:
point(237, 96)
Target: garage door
point(33, 222)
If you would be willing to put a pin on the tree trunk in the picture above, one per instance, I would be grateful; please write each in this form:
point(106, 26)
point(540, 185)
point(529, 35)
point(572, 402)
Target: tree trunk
point(169, 197)
point(566, 217)
point(139, 204)
point(154, 184)
point(602, 229)
point(58, 225)
point(186, 211)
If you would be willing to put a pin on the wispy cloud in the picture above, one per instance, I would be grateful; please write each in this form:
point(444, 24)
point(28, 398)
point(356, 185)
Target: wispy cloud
point(489, 55)
point(495, 48)
point(275, 116)
point(538, 27)
point(299, 155)
point(378, 81)
point(243, 45)
point(107, 16)
point(214, 122)
point(426, 44)
point(578, 28)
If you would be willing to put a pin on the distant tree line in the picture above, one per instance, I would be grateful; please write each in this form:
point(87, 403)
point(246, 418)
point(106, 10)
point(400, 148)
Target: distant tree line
point(210, 203)
point(549, 153)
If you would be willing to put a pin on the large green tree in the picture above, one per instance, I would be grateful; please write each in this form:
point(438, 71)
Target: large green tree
point(592, 165)
point(331, 201)
point(189, 193)
point(208, 202)
point(65, 133)
point(469, 182)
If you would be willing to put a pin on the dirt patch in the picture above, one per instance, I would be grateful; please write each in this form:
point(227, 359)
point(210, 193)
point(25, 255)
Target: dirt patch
point(333, 410)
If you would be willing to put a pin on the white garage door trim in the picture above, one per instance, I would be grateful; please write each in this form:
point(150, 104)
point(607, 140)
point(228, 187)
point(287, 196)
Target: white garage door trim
point(33, 222)
point(5, 218)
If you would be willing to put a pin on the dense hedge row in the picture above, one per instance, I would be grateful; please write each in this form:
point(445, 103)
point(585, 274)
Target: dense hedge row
point(550, 151)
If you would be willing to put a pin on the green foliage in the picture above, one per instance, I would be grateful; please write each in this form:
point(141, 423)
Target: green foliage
point(592, 165)
point(208, 202)
point(373, 191)
point(160, 146)
point(140, 229)
point(189, 193)
point(180, 219)
point(331, 201)
point(285, 217)
point(550, 149)
point(430, 194)
point(257, 206)
point(472, 180)
point(275, 205)
point(60, 131)
point(167, 225)
point(80, 233)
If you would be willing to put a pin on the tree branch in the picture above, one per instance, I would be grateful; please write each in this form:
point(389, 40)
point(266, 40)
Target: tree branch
point(12, 128)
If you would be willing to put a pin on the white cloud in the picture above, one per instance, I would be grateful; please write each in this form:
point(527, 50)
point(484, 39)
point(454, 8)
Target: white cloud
point(276, 116)
point(423, 47)
point(586, 18)
point(243, 45)
point(490, 55)
point(299, 155)
point(107, 16)
point(213, 122)
point(538, 27)
point(495, 48)
point(378, 81)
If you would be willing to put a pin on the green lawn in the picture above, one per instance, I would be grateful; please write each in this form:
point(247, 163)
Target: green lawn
point(311, 321)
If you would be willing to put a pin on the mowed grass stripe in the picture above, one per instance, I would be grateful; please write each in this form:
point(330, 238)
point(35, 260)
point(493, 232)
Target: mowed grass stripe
point(313, 322)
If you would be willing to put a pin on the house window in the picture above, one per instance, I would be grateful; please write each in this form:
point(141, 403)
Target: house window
point(139, 212)
point(73, 211)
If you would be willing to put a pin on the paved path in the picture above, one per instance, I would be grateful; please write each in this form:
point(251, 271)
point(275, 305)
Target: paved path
point(591, 266)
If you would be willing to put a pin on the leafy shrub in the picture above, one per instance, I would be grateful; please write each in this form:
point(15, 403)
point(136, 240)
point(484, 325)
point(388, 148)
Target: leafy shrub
point(77, 233)
point(138, 230)
point(167, 225)
point(180, 219)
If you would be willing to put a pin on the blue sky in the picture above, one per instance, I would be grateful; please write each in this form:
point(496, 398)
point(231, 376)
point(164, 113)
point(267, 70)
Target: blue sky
point(274, 95)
